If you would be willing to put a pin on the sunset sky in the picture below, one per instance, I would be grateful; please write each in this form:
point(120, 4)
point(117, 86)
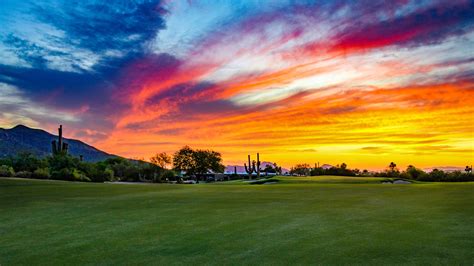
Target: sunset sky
point(360, 82)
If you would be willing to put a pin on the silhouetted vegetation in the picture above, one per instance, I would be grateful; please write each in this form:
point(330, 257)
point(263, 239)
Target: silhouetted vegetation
point(197, 163)
point(411, 173)
point(253, 166)
point(161, 159)
point(61, 166)
point(301, 170)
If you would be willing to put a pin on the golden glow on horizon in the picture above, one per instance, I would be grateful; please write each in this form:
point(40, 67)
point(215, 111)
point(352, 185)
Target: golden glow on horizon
point(423, 126)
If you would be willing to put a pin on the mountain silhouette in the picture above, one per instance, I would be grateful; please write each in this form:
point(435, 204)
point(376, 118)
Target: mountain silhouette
point(38, 142)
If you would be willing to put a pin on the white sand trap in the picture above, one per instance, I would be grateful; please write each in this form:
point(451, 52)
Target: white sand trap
point(397, 182)
point(401, 182)
point(270, 183)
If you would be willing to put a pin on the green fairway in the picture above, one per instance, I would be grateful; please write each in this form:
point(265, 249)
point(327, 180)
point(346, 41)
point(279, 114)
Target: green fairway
point(324, 220)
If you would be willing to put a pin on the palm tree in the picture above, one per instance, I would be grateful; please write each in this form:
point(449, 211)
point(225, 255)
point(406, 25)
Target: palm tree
point(392, 166)
point(468, 169)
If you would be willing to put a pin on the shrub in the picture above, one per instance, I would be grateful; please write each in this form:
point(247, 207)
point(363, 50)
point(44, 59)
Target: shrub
point(437, 175)
point(69, 174)
point(62, 174)
point(6, 161)
point(6, 171)
point(25, 161)
point(414, 173)
point(157, 178)
point(405, 175)
point(167, 175)
point(23, 174)
point(42, 173)
point(109, 174)
point(80, 176)
point(59, 162)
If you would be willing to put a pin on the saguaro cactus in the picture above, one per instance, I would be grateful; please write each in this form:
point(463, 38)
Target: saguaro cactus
point(250, 169)
point(258, 166)
point(254, 167)
point(59, 147)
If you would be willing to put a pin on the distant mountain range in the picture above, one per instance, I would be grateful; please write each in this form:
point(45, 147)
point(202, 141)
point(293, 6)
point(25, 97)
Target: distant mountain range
point(24, 139)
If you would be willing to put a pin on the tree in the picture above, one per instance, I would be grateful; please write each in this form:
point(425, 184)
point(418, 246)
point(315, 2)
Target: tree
point(161, 159)
point(6, 171)
point(392, 166)
point(183, 160)
point(197, 162)
point(437, 175)
point(277, 168)
point(207, 161)
point(343, 166)
point(26, 161)
point(269, 169)
point(414, 172)
point(301, 169)
point(468, 169)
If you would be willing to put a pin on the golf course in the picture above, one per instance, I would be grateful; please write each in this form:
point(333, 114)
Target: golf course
point(290, 220)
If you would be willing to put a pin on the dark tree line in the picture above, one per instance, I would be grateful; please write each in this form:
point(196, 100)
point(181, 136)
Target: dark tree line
point(194, 164)
point(411, 172)
point(66, 167)
point(62, 166)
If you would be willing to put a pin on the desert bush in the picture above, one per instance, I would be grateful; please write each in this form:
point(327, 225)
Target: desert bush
point(26, 161)
point(6, 171)
point(167, 175)
point(109, 175)
point(6, 161)
point(23, 174)
point(62, 174)
point(79, 176)
point(59, 161)
point(42, 173)
point(124, 170)
point(69, 174)
point(157, 178)
point(437, 175)
point(413, 173)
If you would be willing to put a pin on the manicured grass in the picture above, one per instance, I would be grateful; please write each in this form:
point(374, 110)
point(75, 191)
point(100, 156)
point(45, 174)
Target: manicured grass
point(291, 222)
point(331, 179)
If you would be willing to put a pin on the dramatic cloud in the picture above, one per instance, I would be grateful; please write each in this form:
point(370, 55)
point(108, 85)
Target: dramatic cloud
point(362, 82)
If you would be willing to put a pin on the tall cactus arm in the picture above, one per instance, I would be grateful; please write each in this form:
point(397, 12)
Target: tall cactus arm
point(248, 170)
point(60, 138)
point(258, 165)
